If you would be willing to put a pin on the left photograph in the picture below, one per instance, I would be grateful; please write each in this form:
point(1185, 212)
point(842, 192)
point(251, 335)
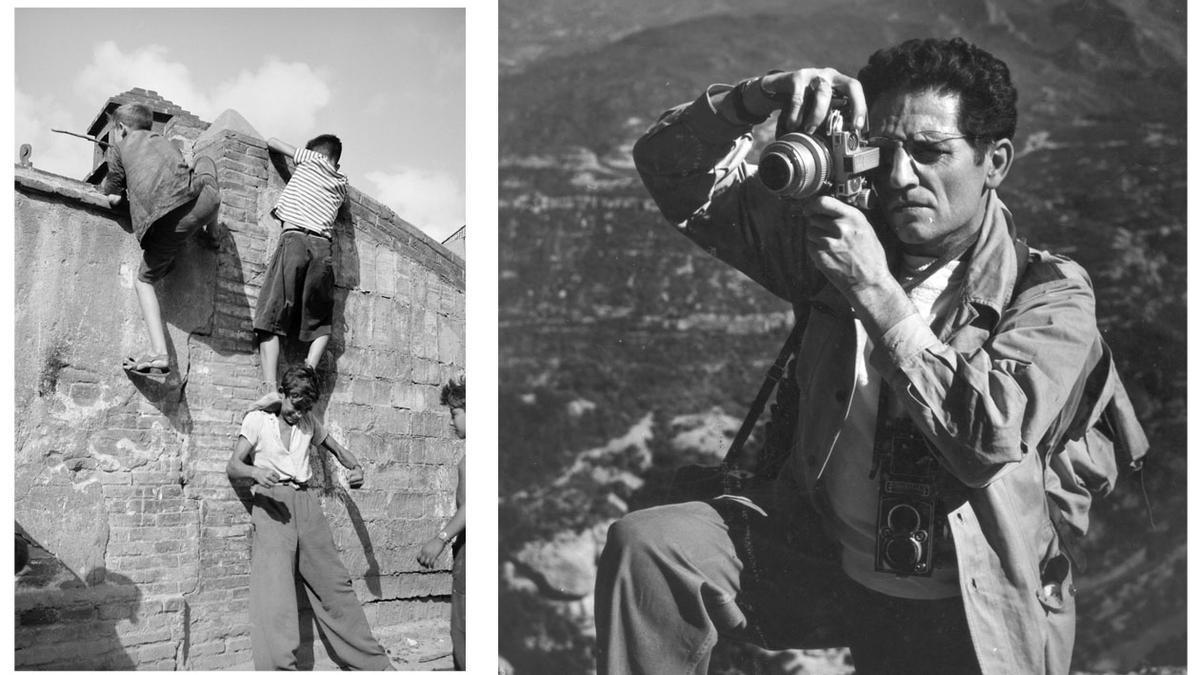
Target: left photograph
point(240, 318)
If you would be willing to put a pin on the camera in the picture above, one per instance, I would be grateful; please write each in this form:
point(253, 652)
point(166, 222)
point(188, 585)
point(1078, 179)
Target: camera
point(831, 161)
point(906, 528)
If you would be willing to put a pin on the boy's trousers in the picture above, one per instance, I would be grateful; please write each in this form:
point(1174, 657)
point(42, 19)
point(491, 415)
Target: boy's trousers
point(292, 536)
point(458, 605)
point(673, 578)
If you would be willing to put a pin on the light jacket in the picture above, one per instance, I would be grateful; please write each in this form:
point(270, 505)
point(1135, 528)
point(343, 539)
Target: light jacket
point(986, 385)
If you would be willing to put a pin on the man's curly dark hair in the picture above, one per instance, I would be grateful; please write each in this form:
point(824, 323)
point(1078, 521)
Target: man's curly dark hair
point(988, 99)
point(454, 392)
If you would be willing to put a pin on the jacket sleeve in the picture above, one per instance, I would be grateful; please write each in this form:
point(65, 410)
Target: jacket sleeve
point(692, 162)
point(985, 410)
point(114, 179)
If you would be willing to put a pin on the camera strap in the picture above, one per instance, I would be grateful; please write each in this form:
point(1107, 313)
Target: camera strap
point(774, 374)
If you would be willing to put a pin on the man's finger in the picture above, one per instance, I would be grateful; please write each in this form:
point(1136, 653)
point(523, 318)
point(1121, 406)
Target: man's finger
point(821, 93)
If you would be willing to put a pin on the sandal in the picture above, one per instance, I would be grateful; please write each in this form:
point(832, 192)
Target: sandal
point(154, 365)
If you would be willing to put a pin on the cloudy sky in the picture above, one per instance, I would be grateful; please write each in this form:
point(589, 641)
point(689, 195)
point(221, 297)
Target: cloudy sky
point(389, 82)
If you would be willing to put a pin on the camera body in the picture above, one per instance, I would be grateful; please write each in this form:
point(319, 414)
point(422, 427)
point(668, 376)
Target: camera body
point(906, 530)
point(831, 161)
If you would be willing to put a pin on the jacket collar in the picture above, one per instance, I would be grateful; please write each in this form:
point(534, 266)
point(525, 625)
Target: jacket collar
point(992, 267)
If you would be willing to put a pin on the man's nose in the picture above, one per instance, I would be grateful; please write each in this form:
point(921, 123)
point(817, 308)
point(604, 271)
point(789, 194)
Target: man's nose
point(900, 170)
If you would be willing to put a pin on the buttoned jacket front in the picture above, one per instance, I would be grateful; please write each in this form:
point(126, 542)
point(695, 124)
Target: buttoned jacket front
point(985, 386)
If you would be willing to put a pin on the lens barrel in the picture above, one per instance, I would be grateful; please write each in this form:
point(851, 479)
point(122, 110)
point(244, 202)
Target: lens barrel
point(794, 166)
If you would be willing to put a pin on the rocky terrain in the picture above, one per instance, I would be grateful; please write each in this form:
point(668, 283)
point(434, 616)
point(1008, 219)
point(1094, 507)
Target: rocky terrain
point(626, 351)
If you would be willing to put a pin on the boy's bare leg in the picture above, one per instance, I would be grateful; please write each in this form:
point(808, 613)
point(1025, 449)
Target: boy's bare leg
point(148, 299)
point(315, 350)
point(268, 354)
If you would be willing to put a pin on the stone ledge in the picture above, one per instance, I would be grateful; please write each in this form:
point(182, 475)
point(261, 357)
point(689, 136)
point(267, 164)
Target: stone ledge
point(51, 183)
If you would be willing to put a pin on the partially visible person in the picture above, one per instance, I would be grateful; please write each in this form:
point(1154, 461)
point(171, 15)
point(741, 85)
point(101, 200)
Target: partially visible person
point(169, 203)
point(454, 396)
point(292, 536)
point(298, 291)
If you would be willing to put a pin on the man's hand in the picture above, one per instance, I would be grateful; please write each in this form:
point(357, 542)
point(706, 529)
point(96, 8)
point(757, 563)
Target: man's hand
point(265, 477)
point(355, 477)
point(430, 552)
point(844, 246)
point(113, 200)
point(788, 91)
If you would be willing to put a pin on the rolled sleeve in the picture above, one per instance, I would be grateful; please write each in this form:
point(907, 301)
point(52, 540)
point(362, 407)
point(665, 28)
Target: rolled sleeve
point(986, 409)
point(252, 426)
point(907, 339)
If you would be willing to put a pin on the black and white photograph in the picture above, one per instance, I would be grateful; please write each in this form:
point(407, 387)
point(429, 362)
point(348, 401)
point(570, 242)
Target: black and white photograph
point(842, 337)
point(239, 264)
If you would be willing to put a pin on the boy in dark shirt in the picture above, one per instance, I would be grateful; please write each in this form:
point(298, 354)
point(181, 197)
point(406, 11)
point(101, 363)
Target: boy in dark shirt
point(169, 202)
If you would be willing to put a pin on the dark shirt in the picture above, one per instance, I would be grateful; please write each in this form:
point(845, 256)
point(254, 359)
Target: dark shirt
point(152, 173)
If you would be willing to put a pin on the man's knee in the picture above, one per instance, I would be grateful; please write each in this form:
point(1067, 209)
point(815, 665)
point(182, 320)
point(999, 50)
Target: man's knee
point(639, 533)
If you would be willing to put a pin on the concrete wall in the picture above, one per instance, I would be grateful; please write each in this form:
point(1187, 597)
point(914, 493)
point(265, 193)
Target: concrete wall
point(143, 545)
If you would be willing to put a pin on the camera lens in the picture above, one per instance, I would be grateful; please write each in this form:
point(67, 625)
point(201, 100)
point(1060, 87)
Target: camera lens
point(795, 166)
point(903, 553)
point(775, 172)
point(904, 518)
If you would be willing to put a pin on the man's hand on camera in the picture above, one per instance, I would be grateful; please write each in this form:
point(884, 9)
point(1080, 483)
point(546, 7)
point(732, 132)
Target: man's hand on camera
point(787, 92)
point(844, 246)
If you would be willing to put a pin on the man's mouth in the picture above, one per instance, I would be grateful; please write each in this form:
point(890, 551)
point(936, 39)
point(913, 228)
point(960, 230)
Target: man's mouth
point(906, 205)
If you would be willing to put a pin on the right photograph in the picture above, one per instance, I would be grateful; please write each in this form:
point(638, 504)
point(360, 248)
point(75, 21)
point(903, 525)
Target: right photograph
point(843, 338)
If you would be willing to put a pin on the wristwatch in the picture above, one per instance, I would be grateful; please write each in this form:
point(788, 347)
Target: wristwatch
point(443, 536)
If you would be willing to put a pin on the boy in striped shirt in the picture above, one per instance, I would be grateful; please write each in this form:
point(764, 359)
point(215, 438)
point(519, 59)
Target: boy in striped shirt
point(298, 291)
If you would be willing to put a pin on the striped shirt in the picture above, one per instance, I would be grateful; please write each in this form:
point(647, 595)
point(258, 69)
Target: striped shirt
point(313, 196)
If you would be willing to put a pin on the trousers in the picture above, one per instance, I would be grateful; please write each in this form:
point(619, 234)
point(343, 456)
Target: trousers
point(458, 605)
point(166, 237)
point(293, 543)
point(672, 579)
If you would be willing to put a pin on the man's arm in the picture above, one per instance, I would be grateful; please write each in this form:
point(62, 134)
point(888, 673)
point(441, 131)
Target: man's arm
point(114, 179)
point(434, 546)
point(346, 459)
point(240, 469)
point(276, 145)
point(984, 410)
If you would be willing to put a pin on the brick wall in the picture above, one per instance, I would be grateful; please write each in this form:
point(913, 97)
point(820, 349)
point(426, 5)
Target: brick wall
point(143, 545)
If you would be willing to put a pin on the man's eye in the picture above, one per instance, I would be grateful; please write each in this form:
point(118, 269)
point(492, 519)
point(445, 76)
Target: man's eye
point(926, 154)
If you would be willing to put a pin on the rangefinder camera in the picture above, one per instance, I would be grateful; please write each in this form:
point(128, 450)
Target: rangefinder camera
point(830, 161)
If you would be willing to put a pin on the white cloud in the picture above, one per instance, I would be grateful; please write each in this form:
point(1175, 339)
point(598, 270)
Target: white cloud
point(113, 71)
point(432, 201)
point(279, 99)
point(56, 153)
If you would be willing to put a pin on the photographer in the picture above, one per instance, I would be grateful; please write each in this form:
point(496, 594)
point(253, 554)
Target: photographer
point(921, 352)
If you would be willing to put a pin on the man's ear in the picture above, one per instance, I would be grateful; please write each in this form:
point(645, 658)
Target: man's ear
point(999, 160)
